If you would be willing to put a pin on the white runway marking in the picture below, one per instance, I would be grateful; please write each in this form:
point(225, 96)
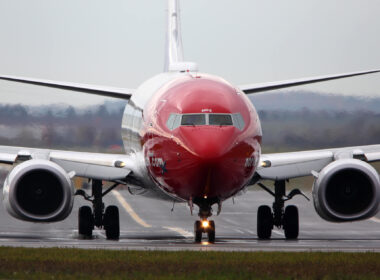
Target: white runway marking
point(102, 235)
point(376, 220)
point(140, 221)
point(278, 232)
point(181, 231)
point(129, 210)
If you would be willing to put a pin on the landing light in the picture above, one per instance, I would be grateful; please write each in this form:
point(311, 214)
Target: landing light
point(205, 224)
point(266, 163)
point(120, 164)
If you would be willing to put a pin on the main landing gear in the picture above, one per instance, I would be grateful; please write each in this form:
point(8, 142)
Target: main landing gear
point(89, 218)
point(281, 217)
point(204, 225)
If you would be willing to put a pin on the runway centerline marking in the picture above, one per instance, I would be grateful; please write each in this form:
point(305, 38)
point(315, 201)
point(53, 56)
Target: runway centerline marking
point(181, 231)
point(278, 232)
point(129, 210)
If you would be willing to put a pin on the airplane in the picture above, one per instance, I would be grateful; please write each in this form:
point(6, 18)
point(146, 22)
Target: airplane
point(194, 138)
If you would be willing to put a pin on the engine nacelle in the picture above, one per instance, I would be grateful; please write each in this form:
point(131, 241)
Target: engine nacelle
point(347, 190)
point(38, 191)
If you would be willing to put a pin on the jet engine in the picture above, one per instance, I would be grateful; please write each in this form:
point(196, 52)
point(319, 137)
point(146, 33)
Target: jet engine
point(347, 190)
point(38, 191)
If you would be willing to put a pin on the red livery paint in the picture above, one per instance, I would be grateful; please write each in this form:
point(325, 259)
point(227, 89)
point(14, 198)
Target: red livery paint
point(201, 161)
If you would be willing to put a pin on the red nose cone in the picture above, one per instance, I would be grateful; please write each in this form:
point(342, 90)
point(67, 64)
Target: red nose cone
point(207, 143)
point(202, 160)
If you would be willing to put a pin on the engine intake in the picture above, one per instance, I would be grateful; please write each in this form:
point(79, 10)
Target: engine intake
point(38, 191)
point(347, 190)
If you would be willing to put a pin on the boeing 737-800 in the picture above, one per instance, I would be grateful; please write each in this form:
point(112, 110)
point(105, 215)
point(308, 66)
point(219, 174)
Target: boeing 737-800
point(194, 138)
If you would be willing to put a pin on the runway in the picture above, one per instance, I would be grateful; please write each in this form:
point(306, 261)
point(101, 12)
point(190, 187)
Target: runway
point(148, 224)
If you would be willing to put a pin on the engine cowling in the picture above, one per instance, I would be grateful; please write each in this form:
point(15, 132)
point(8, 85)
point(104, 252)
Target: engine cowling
point(38, 191)
point(347, 190)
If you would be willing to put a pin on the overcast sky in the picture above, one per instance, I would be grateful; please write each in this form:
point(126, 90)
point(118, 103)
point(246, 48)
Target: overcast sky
point(121, 43)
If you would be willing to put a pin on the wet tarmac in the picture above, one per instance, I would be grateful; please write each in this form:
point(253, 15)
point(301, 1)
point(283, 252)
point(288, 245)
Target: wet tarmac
point(148, 224)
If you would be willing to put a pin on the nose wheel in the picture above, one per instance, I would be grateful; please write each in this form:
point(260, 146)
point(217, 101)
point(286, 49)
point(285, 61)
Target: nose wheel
point(204, 226)
point(198, 231)
point(89, 218)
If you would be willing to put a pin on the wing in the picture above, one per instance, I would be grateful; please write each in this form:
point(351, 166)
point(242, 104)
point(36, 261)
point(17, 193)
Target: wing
point(256, 88)
point(297, 164)
point(99, 166)
point(91, 89)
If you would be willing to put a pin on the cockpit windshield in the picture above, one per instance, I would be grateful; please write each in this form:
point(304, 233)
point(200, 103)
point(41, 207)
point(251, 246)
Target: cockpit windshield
point(220, 119)
point(177, 120)
point(193, 119)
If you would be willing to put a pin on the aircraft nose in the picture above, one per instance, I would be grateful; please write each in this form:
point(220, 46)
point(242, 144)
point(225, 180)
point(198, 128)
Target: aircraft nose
point(209, 143)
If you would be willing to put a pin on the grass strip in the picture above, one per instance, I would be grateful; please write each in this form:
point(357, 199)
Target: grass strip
point(54, 263)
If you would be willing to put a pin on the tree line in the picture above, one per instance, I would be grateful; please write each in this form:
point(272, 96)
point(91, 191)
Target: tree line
point(99, 129)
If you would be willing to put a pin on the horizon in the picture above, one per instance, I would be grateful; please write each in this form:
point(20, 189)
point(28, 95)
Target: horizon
point(286, 100)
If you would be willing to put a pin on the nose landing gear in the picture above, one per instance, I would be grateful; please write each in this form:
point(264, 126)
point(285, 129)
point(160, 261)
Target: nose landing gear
point(108, 219)
point(204, 225)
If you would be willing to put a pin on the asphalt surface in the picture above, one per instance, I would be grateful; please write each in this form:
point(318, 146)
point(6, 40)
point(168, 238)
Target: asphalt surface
point(148, 224)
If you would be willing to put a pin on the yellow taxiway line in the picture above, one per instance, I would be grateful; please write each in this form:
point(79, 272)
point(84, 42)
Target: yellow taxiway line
point(141, 222)
point(129, 210)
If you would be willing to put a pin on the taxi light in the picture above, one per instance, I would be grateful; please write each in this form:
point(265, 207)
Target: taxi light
point(205, 224)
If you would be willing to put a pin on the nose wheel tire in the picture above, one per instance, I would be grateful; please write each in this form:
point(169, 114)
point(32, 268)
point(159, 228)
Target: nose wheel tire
point(291, 226)
point(85, 221)
point(198, 231)
point(211, 232)
point(264, 222)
